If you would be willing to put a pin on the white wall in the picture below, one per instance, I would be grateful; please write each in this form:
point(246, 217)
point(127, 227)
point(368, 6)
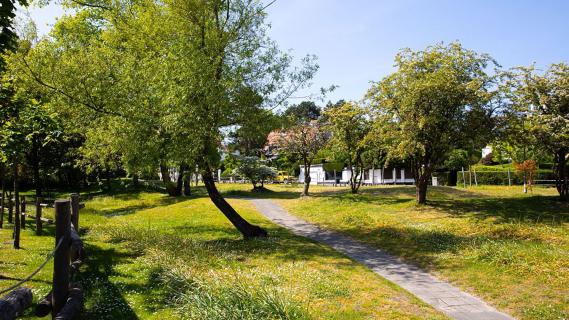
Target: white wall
point(318, 175)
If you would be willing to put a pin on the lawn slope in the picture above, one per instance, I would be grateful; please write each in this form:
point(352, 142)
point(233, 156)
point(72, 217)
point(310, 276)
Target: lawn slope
point(156, 257)
point(509, 248)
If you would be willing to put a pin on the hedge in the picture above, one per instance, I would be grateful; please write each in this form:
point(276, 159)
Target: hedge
point(500, 178)
point(492, 177)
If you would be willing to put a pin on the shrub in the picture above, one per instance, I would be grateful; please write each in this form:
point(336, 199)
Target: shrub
point(255, 170)
point(500, 177)
point(488, 160)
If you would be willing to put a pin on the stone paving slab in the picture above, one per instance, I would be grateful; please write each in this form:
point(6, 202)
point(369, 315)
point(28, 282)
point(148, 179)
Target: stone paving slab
point(440, 294)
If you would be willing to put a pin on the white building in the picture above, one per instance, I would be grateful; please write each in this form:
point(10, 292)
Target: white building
point(486, 151)
point(371, 176)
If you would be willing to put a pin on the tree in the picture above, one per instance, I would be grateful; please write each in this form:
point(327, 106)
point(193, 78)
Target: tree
point(539, 104)
point(304, 141)
point(438, 100)
point(8, 37)
point(349, 126)
point(457, 160)
point(303, 112)
point(13, 145)
point(256, 171)
point(528, 169)
point(184, 71)
point(249, 139)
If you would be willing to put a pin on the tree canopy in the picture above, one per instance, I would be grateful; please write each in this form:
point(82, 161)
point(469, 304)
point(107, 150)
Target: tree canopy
point(437, 100)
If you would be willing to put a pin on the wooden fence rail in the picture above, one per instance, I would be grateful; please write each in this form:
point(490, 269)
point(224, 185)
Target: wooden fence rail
point(65, 300)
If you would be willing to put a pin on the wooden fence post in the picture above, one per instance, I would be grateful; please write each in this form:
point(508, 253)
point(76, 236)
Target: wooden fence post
point(39, 225)
point(75, 211)
point(463, 178)
point(23, 212)
point(61, 258)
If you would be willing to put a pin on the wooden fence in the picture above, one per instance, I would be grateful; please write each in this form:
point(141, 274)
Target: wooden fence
point(65, 300)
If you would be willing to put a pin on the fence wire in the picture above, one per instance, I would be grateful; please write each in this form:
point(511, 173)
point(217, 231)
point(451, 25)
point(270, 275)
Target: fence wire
point(28, 278)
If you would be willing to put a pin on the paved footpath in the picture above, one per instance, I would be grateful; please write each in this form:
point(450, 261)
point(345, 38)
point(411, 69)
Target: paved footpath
point(441, 295)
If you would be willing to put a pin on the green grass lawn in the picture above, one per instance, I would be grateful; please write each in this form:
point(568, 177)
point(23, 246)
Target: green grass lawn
point(507, 247)
point(151, 256)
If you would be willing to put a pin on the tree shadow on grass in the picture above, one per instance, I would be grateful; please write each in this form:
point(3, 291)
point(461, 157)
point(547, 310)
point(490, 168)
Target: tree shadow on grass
point(132, 209)
point(528, 210)
point(281, 245)
point(418, 246)
point(265, 194)
point(103, 298)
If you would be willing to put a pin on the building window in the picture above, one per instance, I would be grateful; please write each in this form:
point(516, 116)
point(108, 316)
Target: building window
point(329, 175)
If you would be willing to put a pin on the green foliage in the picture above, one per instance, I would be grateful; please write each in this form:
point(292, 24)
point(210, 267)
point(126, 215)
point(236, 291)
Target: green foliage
point(303, 112)
point(438, 100)
point(255, 170)
point(171, 75)
point(457, 159)
point(333, 166)
point(8, 38)
point(251, 136)
point(538, 116)
point(349, 126)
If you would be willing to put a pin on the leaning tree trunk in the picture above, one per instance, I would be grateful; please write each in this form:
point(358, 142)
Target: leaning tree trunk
point(17, 217)
point(247, 230)
point(561, 176)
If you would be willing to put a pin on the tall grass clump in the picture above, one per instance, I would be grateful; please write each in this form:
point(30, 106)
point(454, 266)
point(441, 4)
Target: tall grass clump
point(199, 279)
point(216, 298)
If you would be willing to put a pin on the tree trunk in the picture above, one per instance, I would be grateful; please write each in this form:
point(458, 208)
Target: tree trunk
point(170, 187)
point(108, 179)
point(36, 168)
point(351, 178)
point(10, 207)
point(180, 180)
point(307, 179)
point(135, 182)
point(247, 230)
point(421, 190)
point(187, 186)
point(452, 178)
point(17, 217)
point(355, 179)
point(2, 197)
point(561, 177)
point(421, 174)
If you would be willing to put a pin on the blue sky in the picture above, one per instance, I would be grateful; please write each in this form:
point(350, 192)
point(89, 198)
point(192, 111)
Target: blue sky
point(357, 40)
